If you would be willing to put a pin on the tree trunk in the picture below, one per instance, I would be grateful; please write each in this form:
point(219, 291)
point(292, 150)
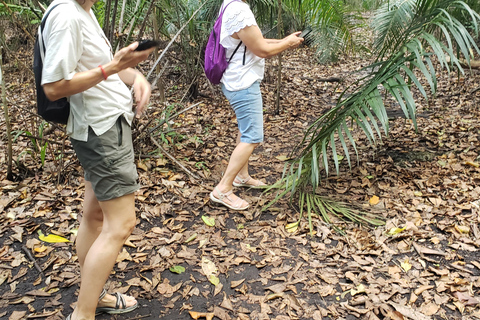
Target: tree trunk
point(279, 71)
point(15, 20)
point(7, 122)
point(145, 19)
point(114, 18)
point(156, 33)
point(106, 19)
point(120, 27)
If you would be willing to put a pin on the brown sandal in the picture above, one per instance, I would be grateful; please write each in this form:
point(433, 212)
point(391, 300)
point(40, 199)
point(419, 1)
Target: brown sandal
point(235, 205)
point(120, 305)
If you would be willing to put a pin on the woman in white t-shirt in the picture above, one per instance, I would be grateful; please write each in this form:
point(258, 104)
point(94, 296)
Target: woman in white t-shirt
point(79, 64)
point(241, 85)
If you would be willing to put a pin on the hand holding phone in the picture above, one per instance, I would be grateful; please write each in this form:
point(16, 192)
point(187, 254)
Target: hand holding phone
point(147, 44)
point(305, 32)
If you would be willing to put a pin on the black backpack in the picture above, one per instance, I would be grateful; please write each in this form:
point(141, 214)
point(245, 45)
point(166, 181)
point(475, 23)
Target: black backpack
point(54, 111)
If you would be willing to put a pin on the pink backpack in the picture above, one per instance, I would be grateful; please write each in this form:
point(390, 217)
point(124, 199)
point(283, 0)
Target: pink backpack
point(215, 58)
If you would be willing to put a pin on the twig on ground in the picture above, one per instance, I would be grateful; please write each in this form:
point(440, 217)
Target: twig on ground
point(174, 116)
point(140, 317)
point(30, 256)
point(43, 139)
point(172, 158)
point(330, 79)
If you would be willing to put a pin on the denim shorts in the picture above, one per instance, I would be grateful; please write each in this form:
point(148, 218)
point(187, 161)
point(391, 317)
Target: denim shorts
point(108, 161)
point(248, 107)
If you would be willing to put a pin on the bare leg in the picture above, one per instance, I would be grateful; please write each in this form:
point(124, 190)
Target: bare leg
point(238, 161)
point(118, 223)
point(244, 170)
point(243, 173)
point(90, 226)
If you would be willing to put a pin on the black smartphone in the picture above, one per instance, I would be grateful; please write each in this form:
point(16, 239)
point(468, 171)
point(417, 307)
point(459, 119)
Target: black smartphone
point(305, 33)
point(147, 44)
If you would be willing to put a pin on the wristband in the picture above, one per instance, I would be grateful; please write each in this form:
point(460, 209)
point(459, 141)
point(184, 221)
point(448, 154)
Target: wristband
point(103, 72)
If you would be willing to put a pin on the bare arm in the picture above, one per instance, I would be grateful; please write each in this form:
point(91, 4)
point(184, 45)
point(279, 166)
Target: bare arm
point(141, 87)
point(252, 37)
point(129, 75)
point(125, 58)
point(269, 41)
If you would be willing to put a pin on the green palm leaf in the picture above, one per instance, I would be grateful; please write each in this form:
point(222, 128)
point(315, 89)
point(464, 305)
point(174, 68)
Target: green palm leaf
point(410, 33)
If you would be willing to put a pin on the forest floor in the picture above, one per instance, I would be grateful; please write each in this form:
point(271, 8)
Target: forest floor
point(422, 264)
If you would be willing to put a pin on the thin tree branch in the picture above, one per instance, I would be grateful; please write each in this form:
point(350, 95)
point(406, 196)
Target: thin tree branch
point(172, 158)
point(7, 122)
point(43, 139)
point(174, 116)
point(170, 43)
point(30, 256)
point(14, 17)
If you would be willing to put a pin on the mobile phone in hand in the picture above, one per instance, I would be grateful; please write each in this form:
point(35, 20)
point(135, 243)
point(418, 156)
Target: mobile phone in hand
point(147, 44)
point(305, 33)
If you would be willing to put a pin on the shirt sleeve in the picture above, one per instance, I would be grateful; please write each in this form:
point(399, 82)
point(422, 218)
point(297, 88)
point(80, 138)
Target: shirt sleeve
point(63, 42)
point(236, 17)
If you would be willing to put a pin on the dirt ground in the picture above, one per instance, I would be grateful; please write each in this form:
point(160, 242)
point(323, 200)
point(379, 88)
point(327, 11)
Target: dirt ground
point(423, 264)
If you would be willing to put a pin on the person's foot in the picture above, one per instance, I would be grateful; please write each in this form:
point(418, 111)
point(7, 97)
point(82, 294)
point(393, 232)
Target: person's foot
point(248, 182)
point(228, 199)
point(116, 303)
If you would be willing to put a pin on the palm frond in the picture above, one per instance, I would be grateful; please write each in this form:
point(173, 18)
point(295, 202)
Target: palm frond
point(423, 27)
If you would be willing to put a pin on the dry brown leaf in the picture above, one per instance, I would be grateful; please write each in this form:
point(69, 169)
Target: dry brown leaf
point(460, 306)
point(429, 309)
point(435, 201)
point(226, 303)
point(466, 299)
point(409, 312)
point(374, 200)
point(24, 299)
point(124, 255)
point(423, 288)
point(462, 229)
point(278, 288)
point(423, 250)
point(218, 289)
point(235, 284)
point(221, 313)
point(142, 165)
point(274, 296)
point(17, 315)
point(198, 315)
point(38, 293)
point(473, 164)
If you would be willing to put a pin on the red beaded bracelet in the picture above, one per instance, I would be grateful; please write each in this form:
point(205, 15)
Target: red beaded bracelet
point(103, 72)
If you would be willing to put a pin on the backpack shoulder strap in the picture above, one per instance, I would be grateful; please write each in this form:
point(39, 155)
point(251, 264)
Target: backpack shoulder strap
point(224, 8)
point(40, 30)
point(236, 49)
point(42, 25)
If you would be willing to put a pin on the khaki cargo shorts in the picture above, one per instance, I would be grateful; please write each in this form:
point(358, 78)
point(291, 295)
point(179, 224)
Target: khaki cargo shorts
point(108, 161)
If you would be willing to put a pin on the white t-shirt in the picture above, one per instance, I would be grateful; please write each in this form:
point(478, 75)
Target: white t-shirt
point(74, 43)
point(238, 76)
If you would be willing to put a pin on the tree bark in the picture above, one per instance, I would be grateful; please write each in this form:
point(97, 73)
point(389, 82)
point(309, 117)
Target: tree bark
point(14, 18)
point(156, 28)
point(279, 71)
point(7, 122)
